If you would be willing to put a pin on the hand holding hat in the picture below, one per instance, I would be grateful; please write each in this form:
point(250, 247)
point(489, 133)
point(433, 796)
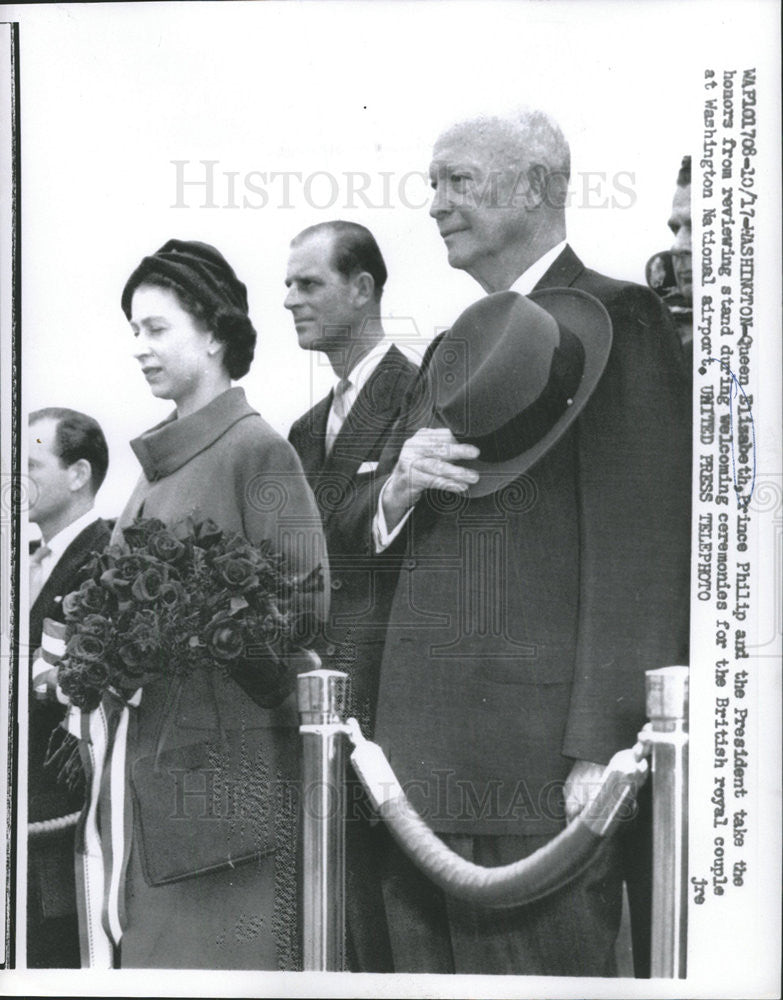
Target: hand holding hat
point(506, 382)
point(513, 374)
point(426, 462)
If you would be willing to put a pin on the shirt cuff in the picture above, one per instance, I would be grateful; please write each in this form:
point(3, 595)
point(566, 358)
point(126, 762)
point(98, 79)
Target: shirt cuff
point(380, 533)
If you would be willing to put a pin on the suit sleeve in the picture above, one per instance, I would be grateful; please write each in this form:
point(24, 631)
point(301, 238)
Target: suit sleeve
point(295, 436)
point(351, 531)
point(634, 447)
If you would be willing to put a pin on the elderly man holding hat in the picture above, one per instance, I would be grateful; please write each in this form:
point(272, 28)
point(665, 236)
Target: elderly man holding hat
point(538, 488)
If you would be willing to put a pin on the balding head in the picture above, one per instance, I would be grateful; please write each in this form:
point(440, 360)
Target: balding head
point(518, 140)
point(500, 191)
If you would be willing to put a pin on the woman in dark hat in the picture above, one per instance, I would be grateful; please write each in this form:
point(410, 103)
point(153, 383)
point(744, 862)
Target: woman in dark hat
point(207, 878)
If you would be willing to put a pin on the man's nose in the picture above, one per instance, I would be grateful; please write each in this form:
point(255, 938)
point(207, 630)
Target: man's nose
point(440, 204)
point(292, 297)
point(682, 241)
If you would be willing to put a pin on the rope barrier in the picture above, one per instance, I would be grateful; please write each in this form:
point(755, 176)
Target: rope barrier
point(44, 827)
point(323, 695)
point(546, 870)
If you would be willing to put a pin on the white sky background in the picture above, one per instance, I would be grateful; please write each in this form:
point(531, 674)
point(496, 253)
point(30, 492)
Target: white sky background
point(111, 94)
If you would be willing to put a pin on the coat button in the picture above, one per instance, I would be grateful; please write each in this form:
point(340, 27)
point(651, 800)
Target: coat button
point(336, 584)
point(410, 564)
point(331, 650)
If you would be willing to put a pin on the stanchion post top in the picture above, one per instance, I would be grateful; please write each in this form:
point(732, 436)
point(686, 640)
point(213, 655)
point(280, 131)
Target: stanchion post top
point(667, 695)
point(322, 696)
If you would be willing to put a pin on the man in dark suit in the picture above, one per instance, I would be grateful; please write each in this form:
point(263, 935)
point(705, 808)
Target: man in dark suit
point(335, 279)
point(524, 618)
point(68, 459)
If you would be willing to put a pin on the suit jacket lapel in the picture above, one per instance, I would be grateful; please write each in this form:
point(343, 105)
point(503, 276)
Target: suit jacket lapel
point(365, 424)
point(312, 451)
point(563, 272)
point(66, 568)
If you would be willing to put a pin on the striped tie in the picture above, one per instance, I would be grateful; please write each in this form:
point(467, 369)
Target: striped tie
point(337, 413)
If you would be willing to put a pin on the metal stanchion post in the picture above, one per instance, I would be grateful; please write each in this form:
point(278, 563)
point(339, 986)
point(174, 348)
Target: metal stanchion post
point(322, 697)
point(666, 736)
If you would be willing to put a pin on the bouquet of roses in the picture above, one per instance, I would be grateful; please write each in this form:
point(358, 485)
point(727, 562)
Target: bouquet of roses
point(172, 599)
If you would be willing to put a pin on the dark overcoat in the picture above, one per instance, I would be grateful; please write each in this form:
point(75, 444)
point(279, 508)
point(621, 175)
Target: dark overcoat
point(522, 622)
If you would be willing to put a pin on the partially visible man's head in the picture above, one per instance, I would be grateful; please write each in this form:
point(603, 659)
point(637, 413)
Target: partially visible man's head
point(680, 225)
point(335, 280)
point(500, 187)
point(67, 462)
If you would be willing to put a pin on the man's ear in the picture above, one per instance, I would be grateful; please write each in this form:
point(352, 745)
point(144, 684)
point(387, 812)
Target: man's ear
point(363, 288)
point(537, 180)
point(79, 474)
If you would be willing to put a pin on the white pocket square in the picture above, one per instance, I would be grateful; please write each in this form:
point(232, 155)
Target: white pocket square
point(366, 467)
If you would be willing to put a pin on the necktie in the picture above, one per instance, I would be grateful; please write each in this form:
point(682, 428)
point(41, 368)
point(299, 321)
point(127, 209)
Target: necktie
point(337, 413)
point(37, 570)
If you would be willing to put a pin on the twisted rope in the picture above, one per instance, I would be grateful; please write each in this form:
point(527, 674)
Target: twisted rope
point(541, 873)
point(43, 827)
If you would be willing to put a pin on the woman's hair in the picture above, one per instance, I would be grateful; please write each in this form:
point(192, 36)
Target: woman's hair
point(230, 326)
point(207, 289)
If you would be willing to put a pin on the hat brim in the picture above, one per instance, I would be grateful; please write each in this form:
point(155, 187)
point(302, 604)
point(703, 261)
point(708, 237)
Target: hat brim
point(588, 320)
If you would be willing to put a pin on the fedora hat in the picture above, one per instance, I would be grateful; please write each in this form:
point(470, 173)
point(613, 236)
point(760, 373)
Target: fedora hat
point(514, 372)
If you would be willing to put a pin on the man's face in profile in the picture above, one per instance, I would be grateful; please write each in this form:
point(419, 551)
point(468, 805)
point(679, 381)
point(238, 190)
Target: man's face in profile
point(48, 474)
point(478, 201)
point(680, 225)
point(319, 297)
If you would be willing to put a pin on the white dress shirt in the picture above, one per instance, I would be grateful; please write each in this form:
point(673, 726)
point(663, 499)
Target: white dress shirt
point(354, 382)
point(528, 280)
point(524, 285)
point(60, 542)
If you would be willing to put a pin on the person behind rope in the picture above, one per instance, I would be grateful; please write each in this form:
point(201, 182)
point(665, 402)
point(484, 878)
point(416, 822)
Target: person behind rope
point(210, 848)
point(67, 462)
point(335, 279)
point(543, 571)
